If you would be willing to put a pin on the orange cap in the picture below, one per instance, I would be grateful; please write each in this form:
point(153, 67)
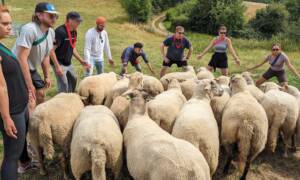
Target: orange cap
point(100, 20)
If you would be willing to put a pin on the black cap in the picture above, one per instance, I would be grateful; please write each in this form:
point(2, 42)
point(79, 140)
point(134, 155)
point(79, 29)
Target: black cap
point(74, 15)
point(45, 7)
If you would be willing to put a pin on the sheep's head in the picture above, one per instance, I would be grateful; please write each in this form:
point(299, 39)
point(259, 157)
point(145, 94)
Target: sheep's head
point(223, 80)
point(137, 101)
point(201, 69)
point(237, 84)
point(208, 87)
point(173, 83)
point(267, 86)
point(136, 80)
point(189, 69)
point(248, 77)
point(291, 90)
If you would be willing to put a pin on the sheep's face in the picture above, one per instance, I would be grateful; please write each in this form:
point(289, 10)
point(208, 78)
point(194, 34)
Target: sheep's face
point(136, 81)
point(173, 84)
point(210, 88)
point(267, 86)
point(137, 101)
point(248, 77)
point(223, 80)
point(237, 84)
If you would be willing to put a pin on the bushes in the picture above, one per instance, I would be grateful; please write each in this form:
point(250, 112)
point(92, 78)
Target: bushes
point(161, 5)
point(293, 7)
point(270, 21)
point(138, 10)
point(207, 16)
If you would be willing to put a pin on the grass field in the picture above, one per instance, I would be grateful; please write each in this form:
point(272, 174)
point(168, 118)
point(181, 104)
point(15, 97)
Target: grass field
point(123, 34)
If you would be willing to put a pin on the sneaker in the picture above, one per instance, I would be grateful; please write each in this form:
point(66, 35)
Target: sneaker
point(29, 166)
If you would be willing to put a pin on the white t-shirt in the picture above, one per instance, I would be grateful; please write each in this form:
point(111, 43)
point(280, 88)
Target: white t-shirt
point(29, 33)
point(95, 44)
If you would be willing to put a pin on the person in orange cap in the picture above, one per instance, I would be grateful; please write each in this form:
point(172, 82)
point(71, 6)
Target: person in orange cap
point(96, 43)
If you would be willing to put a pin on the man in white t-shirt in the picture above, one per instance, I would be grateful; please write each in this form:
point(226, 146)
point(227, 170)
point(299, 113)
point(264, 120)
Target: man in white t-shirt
point(96, 43)
point(32, 49)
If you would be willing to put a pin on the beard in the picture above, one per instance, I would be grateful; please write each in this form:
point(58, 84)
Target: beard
point(100, 29)
point(48, 24)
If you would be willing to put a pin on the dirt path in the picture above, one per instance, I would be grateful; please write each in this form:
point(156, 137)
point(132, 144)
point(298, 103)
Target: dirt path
point(157, 25)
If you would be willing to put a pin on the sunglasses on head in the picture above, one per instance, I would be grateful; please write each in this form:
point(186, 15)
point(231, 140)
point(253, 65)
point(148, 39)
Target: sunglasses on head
point(275, 49)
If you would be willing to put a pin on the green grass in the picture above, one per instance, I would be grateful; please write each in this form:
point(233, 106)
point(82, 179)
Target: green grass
point(122, 34)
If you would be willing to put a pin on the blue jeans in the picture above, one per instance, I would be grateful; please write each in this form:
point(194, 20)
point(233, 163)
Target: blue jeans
point(99, 67)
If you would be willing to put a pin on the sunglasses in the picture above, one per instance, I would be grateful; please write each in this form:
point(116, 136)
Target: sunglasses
point(222, 32)
point(180, 32)
point(275, 49)
point(53, 16)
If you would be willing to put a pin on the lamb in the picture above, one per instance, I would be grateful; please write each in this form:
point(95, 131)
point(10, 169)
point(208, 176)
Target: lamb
point(241, 127)
point(154, 154)
point(180, 76)
point(203, 73)
point(51, 124)
point(196, 123)
point(96, 144)
point(164, 108)
point(295, 92)
point(150, 84)
point(95, 89)
point(282, 110)
point(255, 91)
point(118, 89)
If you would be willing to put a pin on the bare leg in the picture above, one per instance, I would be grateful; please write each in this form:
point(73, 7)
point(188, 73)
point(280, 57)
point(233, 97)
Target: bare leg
point(210, 68)
point(260, 81)
point(224, 71)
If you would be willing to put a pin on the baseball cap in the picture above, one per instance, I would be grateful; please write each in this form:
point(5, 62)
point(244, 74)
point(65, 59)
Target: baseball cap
point(100, 20)
point(45, 7)
point(74, 15)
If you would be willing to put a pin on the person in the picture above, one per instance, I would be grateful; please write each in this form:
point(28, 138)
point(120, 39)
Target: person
point(13, 104)
point(277, 59)
point(131, 54)
point(176, 45)
point(96, 42)
point(32, 49)
point(219, 58)
point(65, 49)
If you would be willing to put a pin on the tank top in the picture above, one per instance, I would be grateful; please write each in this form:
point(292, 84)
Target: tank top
point(220, 45)
point(15, 82)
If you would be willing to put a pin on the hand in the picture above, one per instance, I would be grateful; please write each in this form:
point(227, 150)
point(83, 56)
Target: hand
point(111, 62)
point(200, 56)
point(10, 128)
point(237, 61)
point(59, 70)
point(47, 82)
point(85, 65)
point(32, 92)
point(166, 59)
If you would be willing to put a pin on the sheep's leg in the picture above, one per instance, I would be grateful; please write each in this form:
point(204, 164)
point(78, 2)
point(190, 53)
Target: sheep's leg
point(294, 148)
point(63, 163)
point(41, 158)
point(247, 167)
point(286, 139)
point(229, 152)
point(272, 139)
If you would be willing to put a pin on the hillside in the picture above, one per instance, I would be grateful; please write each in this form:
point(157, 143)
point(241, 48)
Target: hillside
point(122, 34)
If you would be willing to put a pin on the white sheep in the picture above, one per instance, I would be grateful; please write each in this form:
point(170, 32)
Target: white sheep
point(180, 76)
point(120, 107)
point(154, 154)
point(188, 88)
point(255, 91)
point(244, 125)
point(148, 83)
point(96, 143)
point(203, 73)
point(95, 89)
point(196, 122)
point(164, 108)
point(282, 110)
point(51, 124)
point(118, 89)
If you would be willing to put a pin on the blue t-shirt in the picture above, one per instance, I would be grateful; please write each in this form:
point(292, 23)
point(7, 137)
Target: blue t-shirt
point(130, 55)
point(176, 47)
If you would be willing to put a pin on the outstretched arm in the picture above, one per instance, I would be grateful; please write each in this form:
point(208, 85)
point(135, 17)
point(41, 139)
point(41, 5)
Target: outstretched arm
point(257, 66)
point(200, 56)
point(292, 68)
point(233, 52)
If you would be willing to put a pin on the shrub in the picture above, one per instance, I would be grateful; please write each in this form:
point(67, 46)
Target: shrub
point(161, 5)
point(138, 10)
point(270, 21)
point(180, 21)
point(293, 7)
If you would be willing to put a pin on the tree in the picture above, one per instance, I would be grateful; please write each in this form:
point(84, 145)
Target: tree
point(271, 21)
point(138, 10)
point(207, 16)
point(293, 7)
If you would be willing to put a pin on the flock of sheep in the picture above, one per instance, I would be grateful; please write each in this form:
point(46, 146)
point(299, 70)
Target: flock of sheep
point(167, 129)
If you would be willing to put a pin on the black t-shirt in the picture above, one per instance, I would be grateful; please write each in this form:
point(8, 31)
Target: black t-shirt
point(64, 50)
point(176, 47)
point(15, 82)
